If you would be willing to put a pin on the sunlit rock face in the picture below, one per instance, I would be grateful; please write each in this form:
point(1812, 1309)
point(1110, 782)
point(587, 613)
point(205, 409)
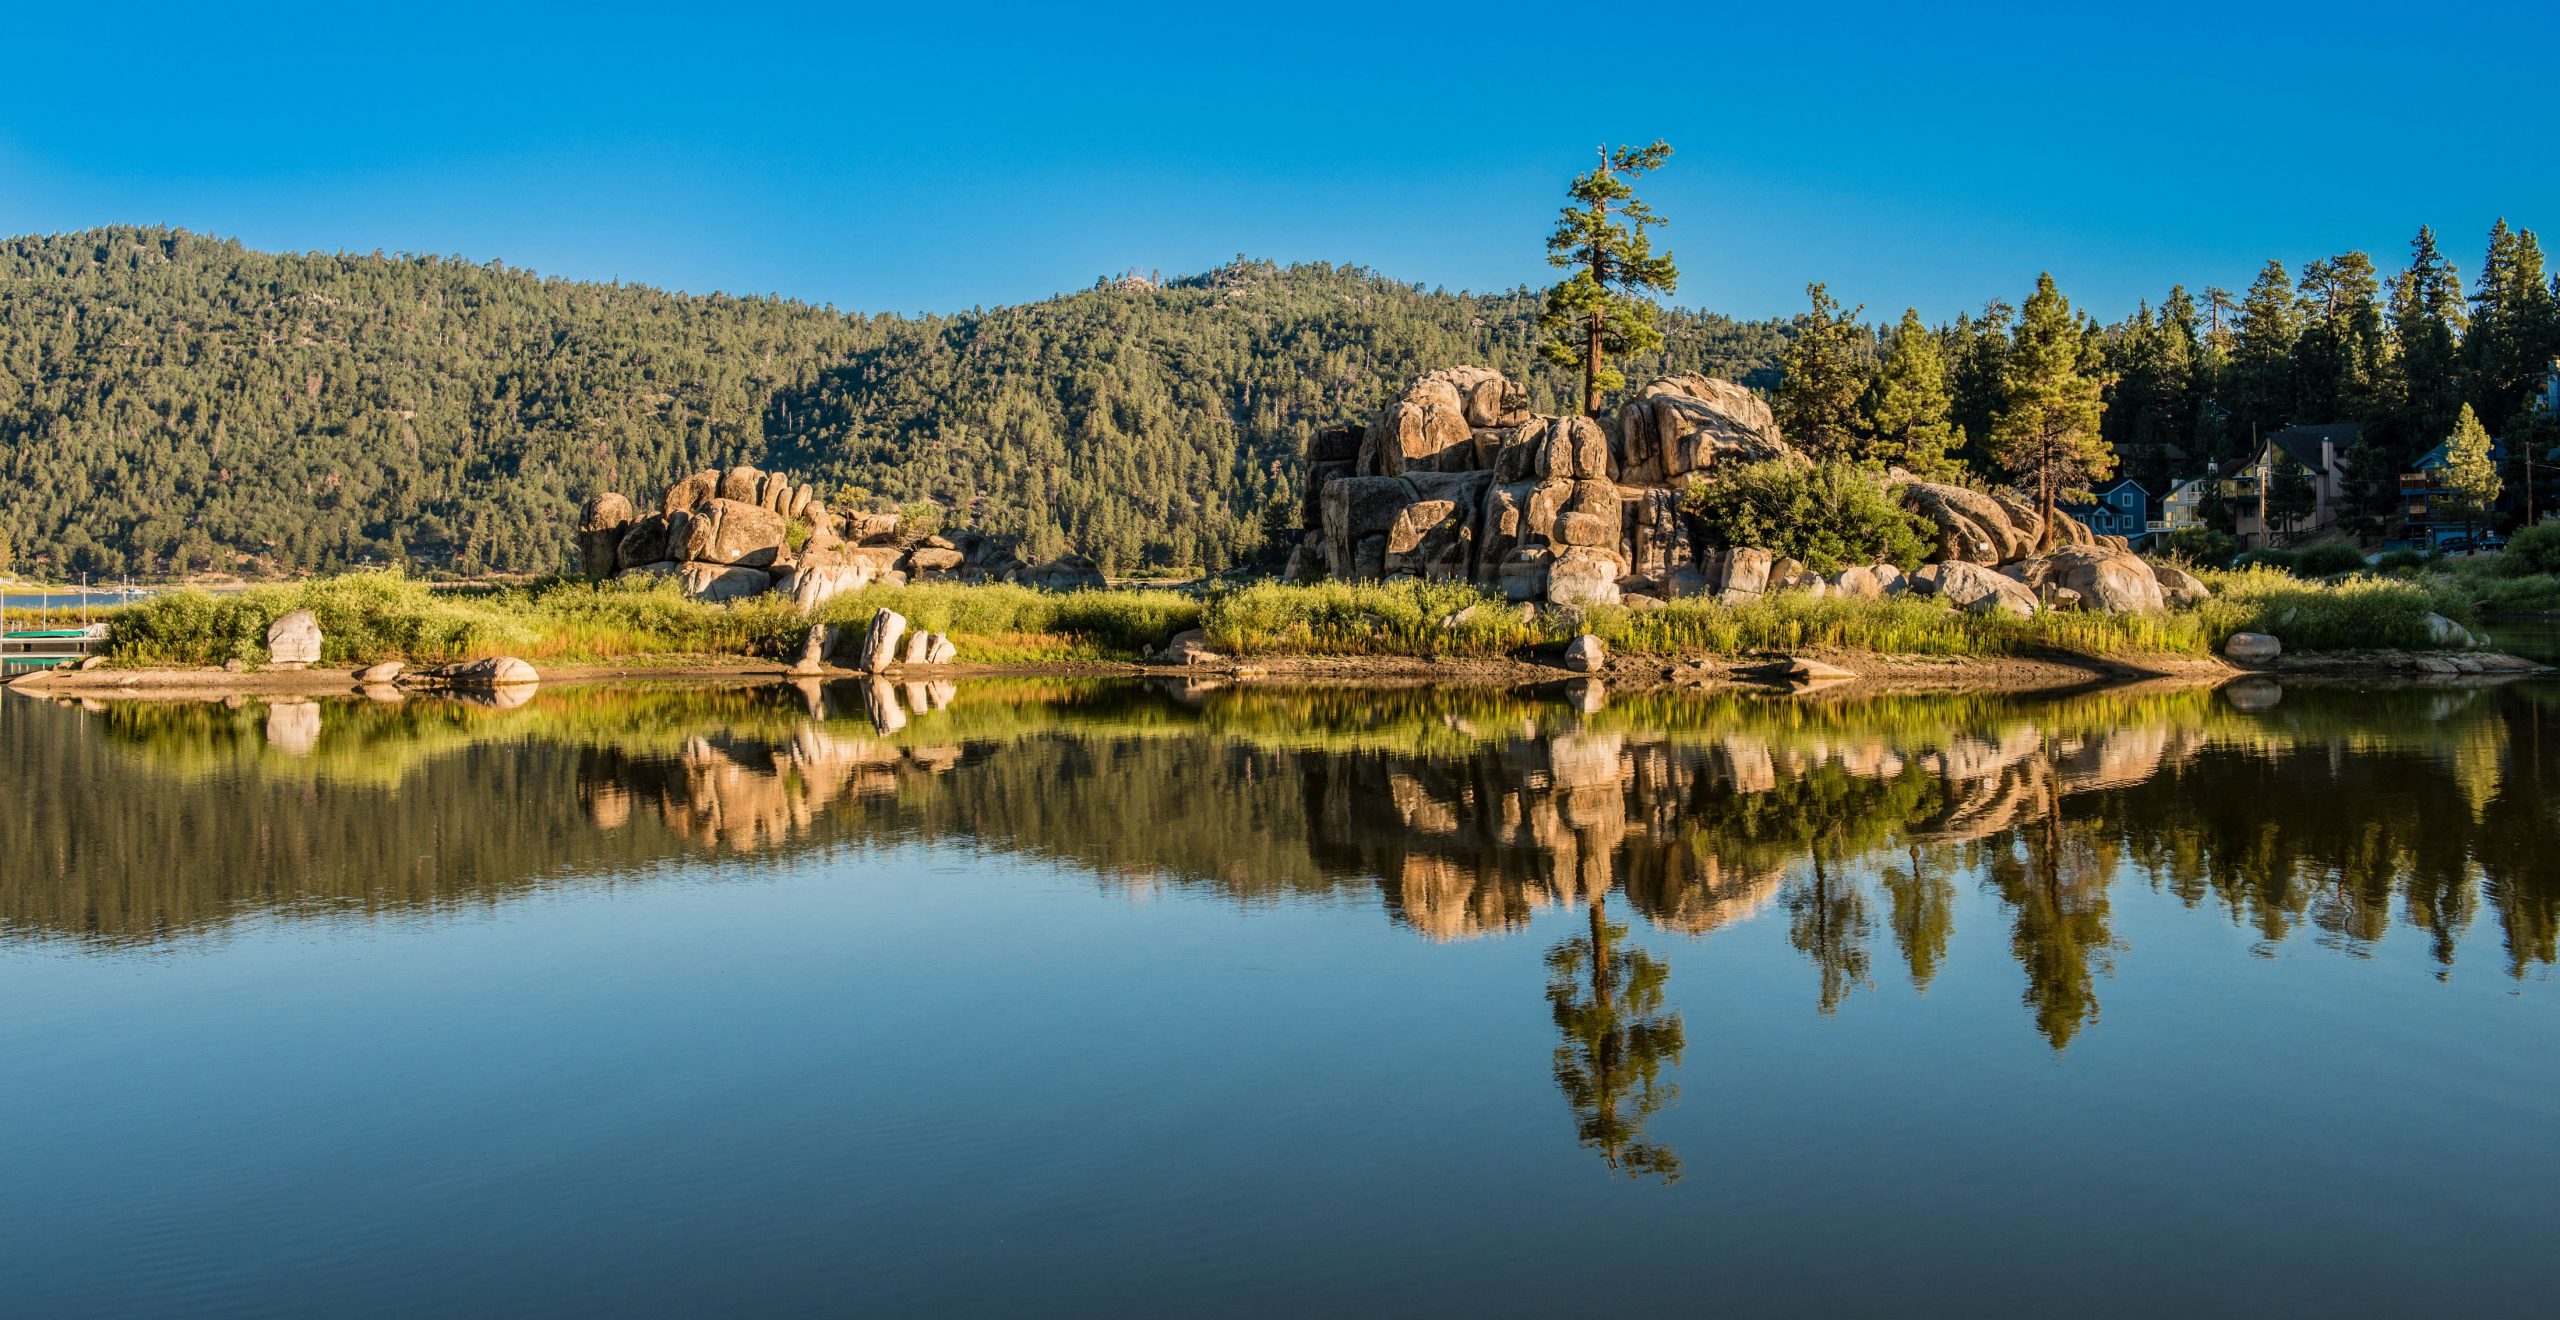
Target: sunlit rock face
point(1455, 478)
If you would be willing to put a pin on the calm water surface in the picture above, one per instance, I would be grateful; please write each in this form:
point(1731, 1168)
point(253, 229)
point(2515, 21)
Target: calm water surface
point(1112, 999)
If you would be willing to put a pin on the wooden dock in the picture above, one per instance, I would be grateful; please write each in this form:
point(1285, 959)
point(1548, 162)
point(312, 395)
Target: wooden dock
point(42, 648)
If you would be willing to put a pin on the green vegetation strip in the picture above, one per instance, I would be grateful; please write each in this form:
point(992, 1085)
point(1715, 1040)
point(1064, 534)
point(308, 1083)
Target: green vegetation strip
point(365, 617)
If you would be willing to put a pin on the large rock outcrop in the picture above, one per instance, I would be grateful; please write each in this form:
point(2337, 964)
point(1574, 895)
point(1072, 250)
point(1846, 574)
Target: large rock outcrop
point(2110, 581)
point(745, 531)
point(1684, 424)
point(1982, 527)
point(1455, 478)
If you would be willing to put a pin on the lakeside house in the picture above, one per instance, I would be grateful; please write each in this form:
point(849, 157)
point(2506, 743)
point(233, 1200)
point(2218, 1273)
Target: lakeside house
point(2120, 507)
point(2313, 455)
point(2183, 506)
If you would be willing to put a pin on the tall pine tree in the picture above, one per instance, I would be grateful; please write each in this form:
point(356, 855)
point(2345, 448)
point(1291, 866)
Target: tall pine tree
point(2470, 479)
point(2514, 331)
point(2425, 384)
point(2047, 434)
point(2262, 387)
point(2339, 360)
point(1826, 373)
point(1979, 353)
point(1910, 408)
point(1604, 310)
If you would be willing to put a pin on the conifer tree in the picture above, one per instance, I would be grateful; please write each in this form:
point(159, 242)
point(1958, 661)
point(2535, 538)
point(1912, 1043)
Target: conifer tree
point(1604, 310)
point(2514, 330)
point(2047, 434)
point(1826, 373)
point(2213, 376)
point(2470, 480)
point(2427, 319)
point(2262, 344)
point(2151, 392)
point(1979, 353)
point(1910, 410)
point(2339, 360)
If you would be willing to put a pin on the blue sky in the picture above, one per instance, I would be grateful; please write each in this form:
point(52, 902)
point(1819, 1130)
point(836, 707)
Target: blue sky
point(937, 157)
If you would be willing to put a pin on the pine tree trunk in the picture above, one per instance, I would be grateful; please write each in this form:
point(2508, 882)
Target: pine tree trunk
point(2044, 503)
point(1591, 369)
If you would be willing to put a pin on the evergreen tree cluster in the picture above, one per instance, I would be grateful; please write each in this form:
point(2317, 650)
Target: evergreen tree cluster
point(2197, 383)
point(2173, 390)
point(172, 403)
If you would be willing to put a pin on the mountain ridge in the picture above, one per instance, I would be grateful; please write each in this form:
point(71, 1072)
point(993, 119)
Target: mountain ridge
point(172, 403)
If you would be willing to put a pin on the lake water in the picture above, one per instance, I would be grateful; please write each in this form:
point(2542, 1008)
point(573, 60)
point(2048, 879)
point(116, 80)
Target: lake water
point(1088, 998)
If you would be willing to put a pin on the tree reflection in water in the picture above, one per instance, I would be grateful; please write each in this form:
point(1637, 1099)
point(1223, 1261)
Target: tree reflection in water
point(2350, 814)
point(1606, 994)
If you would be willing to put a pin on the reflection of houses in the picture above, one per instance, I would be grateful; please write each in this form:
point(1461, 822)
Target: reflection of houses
point(2121, 507)
point(2301, 466)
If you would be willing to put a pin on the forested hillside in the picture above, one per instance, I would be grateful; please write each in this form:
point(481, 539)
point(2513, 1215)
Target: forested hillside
point(172, 403)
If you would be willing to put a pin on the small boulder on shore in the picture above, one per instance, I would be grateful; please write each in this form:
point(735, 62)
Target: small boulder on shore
point(2251, 648)
point(880, 641)
point(1805, 669)
point(813, 649)
point(387, 671)
point(496, 671)
point(1969, 586)
point(1189, 647)
point(1586, 654)
point(293, 642)
point(2446, 633)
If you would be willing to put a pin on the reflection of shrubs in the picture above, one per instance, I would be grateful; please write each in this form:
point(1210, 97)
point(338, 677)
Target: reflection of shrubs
point(1830, 515)
point(2205, 547)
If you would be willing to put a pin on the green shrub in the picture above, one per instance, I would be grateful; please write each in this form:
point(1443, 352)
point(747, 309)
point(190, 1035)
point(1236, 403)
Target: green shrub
point(2534, 549)
point(2400, 561)
point(2361, 612)
point(921, 518)
point(363, 617)
point(1830, 515)
point(2326, 559)
point(2205, 547)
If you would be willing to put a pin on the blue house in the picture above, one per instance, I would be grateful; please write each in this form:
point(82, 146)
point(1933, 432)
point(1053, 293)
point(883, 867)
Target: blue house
point(2427, 513)
point(2122, 508)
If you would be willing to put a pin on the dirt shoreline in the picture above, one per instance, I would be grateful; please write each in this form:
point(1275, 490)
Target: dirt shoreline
point(1872, 672)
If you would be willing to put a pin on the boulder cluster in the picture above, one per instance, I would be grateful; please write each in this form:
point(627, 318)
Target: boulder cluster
point(1457, 479)
point(746, 532)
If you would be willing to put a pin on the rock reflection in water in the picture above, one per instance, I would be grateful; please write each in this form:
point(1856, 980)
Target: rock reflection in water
point(2341, 813)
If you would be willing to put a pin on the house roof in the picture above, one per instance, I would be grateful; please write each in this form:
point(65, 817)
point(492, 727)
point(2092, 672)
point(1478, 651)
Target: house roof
point(2434, 458)
point(2302, 443)
point(2111, 486)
